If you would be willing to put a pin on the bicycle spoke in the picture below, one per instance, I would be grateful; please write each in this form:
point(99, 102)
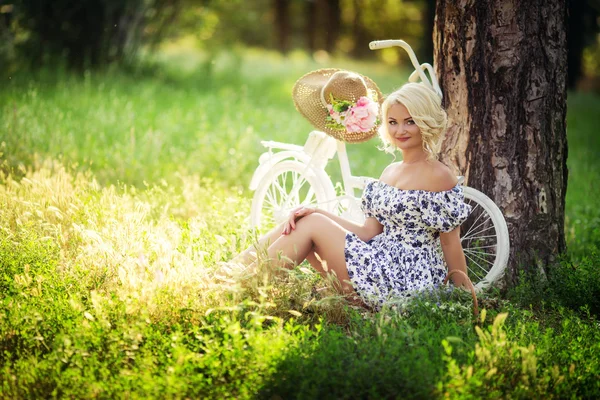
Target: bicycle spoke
point(310, 197)
point(481, 258)
point(270, 204)
point(475, 253)
point(281, 184)
point(280, 188)
point(476, 263)
point(478, 232)
point(470, 250)
point(476, 219)
point(474, 273)
point(488, 218)
point(298, 182)
point(271, 195)
point(288, 196)
point(278, 196)
point(493, 246)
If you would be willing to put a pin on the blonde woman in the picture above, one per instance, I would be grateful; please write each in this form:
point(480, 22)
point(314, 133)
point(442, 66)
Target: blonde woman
point(414, 206)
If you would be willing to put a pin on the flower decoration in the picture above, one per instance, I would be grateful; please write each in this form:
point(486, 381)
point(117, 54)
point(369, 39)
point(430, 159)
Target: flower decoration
point(361, 116)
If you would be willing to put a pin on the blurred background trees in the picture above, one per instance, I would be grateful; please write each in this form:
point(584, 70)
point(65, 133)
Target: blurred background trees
point(92, 33)
point(95, 33)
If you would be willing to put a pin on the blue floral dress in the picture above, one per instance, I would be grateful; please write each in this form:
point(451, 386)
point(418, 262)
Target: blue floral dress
point(406, 257)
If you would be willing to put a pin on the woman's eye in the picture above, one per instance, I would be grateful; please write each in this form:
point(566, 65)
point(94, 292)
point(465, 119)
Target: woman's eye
point(410, 122)
point(393, 122)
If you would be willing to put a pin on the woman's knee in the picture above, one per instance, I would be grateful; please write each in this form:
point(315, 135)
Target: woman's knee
point(313, 220)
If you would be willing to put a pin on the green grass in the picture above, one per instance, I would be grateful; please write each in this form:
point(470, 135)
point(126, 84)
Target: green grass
point(157, 123)
point(121, 193)
point(583, 190)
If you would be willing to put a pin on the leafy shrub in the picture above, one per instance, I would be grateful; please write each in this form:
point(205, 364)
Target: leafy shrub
point(526, 360)
point(573, 283)
point(576, 284)
point(396, 353)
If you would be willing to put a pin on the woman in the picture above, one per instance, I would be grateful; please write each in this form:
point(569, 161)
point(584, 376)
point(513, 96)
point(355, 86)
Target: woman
point(415, 205)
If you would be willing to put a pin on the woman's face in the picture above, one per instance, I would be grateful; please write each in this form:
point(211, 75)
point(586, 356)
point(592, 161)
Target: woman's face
point(404, 133)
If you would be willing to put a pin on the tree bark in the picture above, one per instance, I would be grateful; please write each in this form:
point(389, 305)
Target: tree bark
point(427, 40)
point(282, 23)
point(311, 25)
point(333, 24)
point(502, 66)
point(360, 34)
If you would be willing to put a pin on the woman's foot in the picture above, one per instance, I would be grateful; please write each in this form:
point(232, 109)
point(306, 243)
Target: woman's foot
point(231, 271)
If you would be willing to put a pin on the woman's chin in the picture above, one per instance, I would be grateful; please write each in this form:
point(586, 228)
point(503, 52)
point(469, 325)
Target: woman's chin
point(403, 144)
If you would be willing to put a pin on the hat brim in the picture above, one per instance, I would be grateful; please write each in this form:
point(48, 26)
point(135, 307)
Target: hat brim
point(307, 99)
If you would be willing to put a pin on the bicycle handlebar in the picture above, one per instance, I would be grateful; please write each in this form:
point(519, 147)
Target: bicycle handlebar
point(419, 68)
point(382, 44)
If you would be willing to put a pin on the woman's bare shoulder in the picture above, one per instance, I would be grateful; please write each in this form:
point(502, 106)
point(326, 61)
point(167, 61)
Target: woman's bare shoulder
point(439, 177)
point(442, 177)
point(390, 171)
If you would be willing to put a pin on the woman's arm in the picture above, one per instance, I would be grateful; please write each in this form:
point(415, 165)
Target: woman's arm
point(367, 231)
point(454, 256)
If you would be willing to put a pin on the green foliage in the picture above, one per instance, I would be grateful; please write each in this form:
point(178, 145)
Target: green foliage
point(576, 284)
point(86, 34)
point(96, 33)
point(393, 353)
point(571, 283)
point(582, 225)
point(136, 129)
point(527, 360)
point(119, 197)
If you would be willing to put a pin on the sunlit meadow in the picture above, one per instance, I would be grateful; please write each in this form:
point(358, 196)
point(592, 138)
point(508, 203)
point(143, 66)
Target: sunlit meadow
point(121, 194)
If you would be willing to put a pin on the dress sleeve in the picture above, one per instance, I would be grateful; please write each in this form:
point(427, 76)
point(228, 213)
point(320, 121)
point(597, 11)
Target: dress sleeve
point(444, 211)
point(367, 199)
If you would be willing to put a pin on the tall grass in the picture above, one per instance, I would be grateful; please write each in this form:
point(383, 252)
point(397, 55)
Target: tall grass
point(582, 211)
point(104, 287)
point(120, 195)
point(153, 124)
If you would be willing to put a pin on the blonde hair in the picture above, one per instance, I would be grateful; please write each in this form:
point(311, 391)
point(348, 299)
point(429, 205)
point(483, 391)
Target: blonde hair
point(425, 108)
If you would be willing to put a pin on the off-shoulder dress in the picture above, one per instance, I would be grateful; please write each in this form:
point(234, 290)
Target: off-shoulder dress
point(406, 257)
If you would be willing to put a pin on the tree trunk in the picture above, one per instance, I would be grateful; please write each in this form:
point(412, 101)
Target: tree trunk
point(282, 23)
point(502, 66)
point(360, 34)
point(427, 40)
point(333, 24)
point(311, 25)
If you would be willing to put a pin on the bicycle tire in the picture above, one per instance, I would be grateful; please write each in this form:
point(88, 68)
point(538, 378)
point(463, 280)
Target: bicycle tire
point(273, 198)
point(485, 239)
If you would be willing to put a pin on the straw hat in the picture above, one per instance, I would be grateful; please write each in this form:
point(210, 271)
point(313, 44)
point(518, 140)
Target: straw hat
point(319, 92)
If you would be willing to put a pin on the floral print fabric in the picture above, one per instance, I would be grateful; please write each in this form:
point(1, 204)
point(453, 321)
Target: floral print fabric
point(406, 257)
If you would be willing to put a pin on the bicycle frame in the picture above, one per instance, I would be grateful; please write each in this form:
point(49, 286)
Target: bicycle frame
point(318, 150)
point(316, 153)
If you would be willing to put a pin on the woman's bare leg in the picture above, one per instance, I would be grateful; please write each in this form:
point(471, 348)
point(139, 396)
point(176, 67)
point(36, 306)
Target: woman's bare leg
point(314, 233)
point(320, 241)
point(249, 255)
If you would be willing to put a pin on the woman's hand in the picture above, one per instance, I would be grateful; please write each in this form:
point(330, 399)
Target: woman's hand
point(295, 215)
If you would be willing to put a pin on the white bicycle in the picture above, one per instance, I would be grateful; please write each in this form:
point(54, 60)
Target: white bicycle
point(294, 175)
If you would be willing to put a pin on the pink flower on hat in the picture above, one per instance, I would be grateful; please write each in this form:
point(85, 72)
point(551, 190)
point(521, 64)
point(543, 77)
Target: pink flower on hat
point(359, 117)
point(336, 116)
point(362, 117)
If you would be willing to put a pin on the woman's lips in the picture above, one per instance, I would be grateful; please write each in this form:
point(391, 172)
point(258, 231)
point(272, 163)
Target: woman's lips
point(403, 139)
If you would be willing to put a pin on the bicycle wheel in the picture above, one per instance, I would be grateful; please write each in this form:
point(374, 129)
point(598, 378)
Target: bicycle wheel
point(484, 238)
point(287, 185)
